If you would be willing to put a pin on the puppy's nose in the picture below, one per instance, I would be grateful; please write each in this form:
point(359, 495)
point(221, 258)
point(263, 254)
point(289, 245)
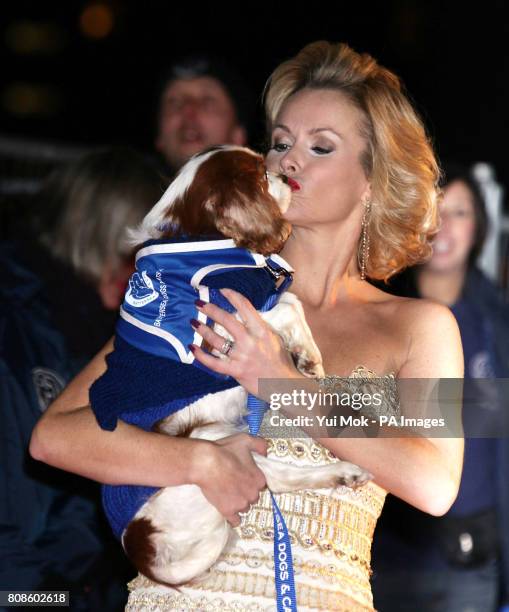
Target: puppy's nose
point(284, 178)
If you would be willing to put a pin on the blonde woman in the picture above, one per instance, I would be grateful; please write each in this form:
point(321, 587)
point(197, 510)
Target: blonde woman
point(364, 181)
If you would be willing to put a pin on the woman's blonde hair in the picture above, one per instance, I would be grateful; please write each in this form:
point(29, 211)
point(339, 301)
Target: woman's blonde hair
point(398, 159)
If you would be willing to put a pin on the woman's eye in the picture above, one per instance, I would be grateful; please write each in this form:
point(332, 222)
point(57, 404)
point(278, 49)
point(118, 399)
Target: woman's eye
point(280, 147)
point(321, 150)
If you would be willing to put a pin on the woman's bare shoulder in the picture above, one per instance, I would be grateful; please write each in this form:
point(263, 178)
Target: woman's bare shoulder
point(425, 316)
point(435, 349)
point(426, 332)
point(420, 312)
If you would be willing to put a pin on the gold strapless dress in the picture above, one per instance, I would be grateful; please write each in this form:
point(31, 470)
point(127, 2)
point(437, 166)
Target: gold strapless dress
point(331, 532)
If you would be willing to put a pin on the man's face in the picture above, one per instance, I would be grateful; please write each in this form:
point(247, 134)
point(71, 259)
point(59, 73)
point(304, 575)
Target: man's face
point(194, 114)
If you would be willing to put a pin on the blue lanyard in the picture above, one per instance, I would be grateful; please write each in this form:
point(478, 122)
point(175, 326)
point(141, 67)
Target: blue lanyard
point(283, 562)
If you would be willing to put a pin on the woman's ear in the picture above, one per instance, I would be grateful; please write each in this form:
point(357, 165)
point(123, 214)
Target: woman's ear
point(366, 195)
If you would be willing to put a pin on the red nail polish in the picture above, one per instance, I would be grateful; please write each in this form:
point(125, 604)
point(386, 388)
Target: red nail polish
point(200, 303)
point(194, 323)
point(191, 347)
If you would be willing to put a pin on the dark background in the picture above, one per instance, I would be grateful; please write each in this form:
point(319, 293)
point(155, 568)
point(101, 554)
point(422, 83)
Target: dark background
point(59, 84)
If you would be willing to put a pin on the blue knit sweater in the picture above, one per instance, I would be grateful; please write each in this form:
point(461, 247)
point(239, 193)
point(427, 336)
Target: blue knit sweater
point(146, 379)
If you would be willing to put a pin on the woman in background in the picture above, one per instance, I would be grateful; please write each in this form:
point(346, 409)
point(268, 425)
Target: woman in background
point(460, 562)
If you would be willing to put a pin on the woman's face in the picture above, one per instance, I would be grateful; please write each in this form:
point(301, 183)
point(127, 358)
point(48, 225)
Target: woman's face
point(316, 142)
point(455, 239)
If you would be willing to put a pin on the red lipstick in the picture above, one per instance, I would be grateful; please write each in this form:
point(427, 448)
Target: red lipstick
point(294, 186)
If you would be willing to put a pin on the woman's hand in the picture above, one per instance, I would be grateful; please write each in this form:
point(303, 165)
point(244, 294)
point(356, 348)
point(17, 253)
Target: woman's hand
point(228, 476)
point(257, 353)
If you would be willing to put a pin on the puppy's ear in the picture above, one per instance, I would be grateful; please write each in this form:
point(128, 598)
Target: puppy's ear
point(192, 213)
point(241, 205)
point(254, 223)
point(181, 209)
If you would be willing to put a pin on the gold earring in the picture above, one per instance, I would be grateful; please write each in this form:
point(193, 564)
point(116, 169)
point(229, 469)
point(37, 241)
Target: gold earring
point(365, 238)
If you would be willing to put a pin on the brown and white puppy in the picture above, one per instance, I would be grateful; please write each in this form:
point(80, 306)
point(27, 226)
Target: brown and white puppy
point(177, 534)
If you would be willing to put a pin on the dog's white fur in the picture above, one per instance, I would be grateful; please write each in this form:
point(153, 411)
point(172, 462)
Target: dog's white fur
point(190, 533)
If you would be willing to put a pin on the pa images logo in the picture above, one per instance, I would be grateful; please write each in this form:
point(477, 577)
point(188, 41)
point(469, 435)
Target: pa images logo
point(48, 386)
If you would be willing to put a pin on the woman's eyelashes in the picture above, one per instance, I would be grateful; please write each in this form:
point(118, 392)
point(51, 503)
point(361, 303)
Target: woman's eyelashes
point(322, 150)
point(282, 147)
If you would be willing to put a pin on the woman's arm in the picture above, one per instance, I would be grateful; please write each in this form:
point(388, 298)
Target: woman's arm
point(68, 437)
point(425, 472)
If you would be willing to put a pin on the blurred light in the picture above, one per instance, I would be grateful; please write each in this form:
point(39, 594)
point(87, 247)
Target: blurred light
point(96, 20)
point(26, 99)
point(29, 37)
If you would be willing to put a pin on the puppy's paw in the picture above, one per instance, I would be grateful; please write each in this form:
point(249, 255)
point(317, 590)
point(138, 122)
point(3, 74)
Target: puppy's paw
point(308, 362)
point(288, 320)
point(351, 475)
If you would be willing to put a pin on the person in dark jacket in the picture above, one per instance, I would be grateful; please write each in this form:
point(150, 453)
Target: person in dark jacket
point(459, 562)
point(57, 308)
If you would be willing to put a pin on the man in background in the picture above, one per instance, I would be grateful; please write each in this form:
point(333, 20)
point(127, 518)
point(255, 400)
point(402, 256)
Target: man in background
point(203, 102)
